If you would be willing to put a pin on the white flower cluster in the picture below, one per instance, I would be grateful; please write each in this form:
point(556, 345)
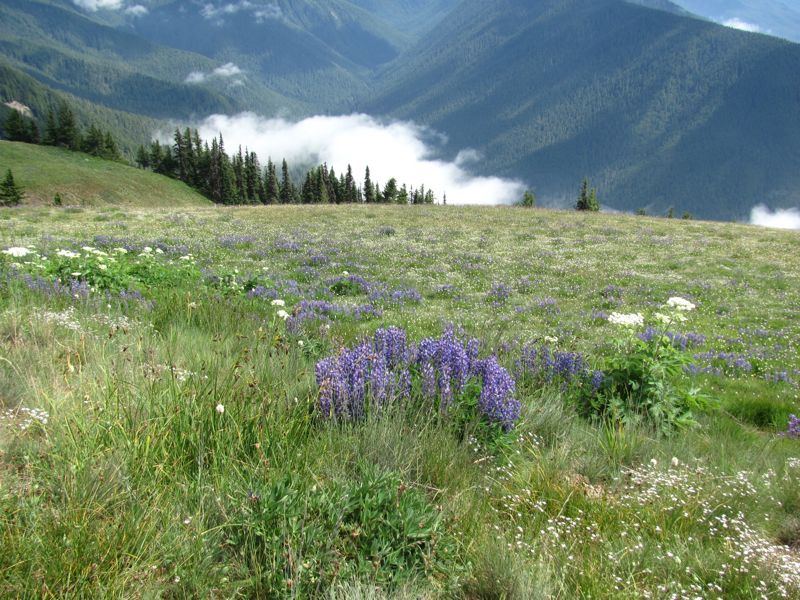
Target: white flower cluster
point(679, 303)
point(25, 417)
point(18, 251)
point(626, 320)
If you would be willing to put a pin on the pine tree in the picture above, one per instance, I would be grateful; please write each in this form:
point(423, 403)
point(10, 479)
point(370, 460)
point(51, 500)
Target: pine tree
point(110, 149)
point(528, 199)
point(390, 191)
point(252, 177)
point(92, 143)
point(142, 158)
point(50, 130)
point(271, 186)
point(15, 128)
point(588, 198)
point(67, 132)
point(287, 188)
point(10, 193)
point(369, 188)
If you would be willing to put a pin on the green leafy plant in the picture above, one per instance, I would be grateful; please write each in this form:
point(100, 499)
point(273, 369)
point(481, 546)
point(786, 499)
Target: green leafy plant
point(644, 382)
point(305, 536)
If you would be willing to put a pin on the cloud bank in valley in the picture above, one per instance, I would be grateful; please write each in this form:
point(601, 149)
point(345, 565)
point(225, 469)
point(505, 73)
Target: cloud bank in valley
point(742, 25)
point(779, 219)
point(397, 149)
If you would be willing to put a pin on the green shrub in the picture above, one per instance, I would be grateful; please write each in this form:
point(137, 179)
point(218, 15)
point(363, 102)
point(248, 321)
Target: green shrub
point(644, 382)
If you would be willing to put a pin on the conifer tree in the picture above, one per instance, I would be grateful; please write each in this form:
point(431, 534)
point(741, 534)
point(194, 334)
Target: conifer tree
point(19, 128)
point(287, 188)
point(271, 184)
point(10, 193)
point(587, 200)
point(390, 191)
point(50, 130)
point(528, 199)
point(67, 132)
point(369, 188)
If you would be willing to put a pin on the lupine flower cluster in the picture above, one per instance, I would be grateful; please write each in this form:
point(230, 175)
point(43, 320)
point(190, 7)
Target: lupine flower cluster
point(613, 294)
point(499, 293)
point(382, 370)
point(50, 288)
point(725, 361)
point(553, 366)
point(322, 310)
point(794, 426)
point(679, 340)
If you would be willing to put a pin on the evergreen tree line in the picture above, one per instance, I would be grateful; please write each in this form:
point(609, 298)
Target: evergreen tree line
point(240, 178)
point(62, 130)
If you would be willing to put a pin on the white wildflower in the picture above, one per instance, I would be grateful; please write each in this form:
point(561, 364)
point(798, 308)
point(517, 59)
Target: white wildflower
point(18, 251)
point(551, 339)
point(627, 320)
point(283, 314)
point(278, 302)
point(680, 304)
point(220, 408)
point(147, 250)
point(67, 254)
point(120, 250)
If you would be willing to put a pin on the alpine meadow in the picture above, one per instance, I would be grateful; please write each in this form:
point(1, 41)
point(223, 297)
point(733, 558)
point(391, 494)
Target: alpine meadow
point(399, 299)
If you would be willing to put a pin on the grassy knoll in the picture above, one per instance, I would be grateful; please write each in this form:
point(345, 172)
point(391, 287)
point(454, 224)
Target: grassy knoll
point(162, 431)
point(84, 180)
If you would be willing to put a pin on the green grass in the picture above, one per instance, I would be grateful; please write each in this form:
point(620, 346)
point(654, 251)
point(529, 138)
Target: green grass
point(85, 180)
point(138, 486)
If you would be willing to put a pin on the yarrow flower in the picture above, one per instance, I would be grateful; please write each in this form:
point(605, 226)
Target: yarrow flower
point(278, 302)
point(626, 320)
point(67, 254)
point(220, 408)
point(679, 303)
point(283, 314)
point(18, 251)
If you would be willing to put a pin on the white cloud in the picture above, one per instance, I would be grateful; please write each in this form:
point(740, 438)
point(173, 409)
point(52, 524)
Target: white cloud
point(737, 23)
point(94, 5)
point(261, 11)
point(780, 219)
point(137, 10)
point(226, 70)
point(195, 77)
point(391, 149)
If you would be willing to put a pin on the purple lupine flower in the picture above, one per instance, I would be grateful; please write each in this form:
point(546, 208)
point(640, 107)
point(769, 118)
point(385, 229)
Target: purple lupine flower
point(499, 293)
point(497, 402)
point(794, 427)
point(597, 380)
point(375, 372)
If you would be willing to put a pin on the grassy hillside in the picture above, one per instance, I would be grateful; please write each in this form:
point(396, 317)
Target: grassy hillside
point(657, 109)
point(168, 380)
point(88, 181)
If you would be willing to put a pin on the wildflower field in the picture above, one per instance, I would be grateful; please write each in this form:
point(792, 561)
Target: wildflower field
point(394, 402)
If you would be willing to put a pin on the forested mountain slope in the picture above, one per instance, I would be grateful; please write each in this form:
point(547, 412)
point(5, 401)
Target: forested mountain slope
point(657, 109)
